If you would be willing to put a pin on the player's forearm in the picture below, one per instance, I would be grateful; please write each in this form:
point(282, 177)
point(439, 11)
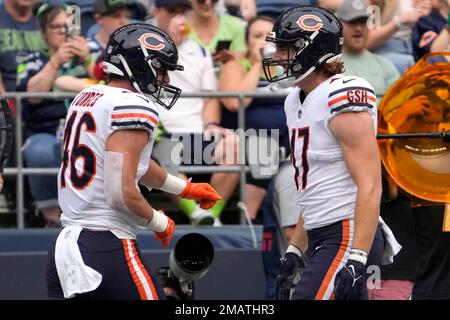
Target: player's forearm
point(136, 203)
point(155, 176)
point(151, 219)
point(299, 237)
point(367, 210)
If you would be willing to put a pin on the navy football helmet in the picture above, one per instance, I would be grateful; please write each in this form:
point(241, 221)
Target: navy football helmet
point(316, 36)
point(138, 52)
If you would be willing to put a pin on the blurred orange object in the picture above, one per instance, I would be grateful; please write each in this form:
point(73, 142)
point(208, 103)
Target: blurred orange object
point(90, 81)
point(186, 30)
point(418, 103)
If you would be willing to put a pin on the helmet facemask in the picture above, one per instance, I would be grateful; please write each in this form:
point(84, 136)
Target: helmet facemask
point(282, 69)
point(145, 79)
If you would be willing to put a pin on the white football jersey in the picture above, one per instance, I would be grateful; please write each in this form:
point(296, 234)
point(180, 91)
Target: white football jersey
point(325, 189)
point(94, 114)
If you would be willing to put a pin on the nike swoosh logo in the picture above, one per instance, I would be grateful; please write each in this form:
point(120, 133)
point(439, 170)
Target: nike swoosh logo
point(317, 248)
point(347, 81)
point(353, 269)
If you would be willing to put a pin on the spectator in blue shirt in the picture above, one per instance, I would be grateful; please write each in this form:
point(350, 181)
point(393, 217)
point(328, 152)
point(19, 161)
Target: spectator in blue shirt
point(19, 36)
point(64, 66)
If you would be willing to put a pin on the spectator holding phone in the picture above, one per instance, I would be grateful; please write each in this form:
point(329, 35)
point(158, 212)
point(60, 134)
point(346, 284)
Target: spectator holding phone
point(210, 27)
point(62, 67)
point(196, 119)
point(247, 74)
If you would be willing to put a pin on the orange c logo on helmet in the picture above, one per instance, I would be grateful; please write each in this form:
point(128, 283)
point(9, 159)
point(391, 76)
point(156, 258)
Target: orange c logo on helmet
point(317, 25)
point(152, 41)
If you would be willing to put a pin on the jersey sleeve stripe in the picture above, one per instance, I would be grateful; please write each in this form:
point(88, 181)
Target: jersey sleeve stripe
point(134, 115)
point(350, 105)
point(350, 88)
point(344, 97)
point(332, 102)
point(132, 125)
point(136, 108)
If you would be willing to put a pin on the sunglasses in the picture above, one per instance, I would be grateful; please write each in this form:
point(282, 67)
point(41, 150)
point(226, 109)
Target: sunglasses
point(59, 27)
point(203, 1)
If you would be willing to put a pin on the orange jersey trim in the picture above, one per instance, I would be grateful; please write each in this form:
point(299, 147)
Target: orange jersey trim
point(336, 261)
point(134, 115)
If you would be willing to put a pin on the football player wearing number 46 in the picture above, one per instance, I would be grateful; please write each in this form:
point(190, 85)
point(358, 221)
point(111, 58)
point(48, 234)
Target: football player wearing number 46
point(332, 126)
point(110, 130)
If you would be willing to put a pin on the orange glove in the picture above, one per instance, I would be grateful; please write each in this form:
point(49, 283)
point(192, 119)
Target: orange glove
point(201, 192)
point(167, 234)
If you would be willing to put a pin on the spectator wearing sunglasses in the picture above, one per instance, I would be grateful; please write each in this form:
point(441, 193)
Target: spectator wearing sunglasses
point(64, 67)
point(209, 28)
point(247, 75)
point(196, 120)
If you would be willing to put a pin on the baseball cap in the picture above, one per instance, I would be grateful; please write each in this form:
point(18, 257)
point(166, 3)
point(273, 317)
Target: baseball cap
point(172, 3)
point(353, 9)
point(109, 6)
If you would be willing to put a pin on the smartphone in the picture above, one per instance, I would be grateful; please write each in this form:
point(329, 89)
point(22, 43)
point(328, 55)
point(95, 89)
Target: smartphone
point(72, 32)
point(222, 45)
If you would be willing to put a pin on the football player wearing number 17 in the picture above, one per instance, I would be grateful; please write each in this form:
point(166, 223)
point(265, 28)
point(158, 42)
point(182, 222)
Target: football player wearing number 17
point(110, 130)
point(332, 126)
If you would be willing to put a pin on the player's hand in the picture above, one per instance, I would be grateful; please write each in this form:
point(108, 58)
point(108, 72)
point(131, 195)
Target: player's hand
point(167, 234)
point(293, 263)
point(202, 192)
point(349, 281)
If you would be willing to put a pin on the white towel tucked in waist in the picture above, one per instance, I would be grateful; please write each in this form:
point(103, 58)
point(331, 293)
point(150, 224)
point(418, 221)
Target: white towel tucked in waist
point(391, 246)
point(75, 277)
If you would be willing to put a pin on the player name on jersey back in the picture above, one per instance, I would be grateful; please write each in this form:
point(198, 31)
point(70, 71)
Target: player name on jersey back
point(87, 99)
